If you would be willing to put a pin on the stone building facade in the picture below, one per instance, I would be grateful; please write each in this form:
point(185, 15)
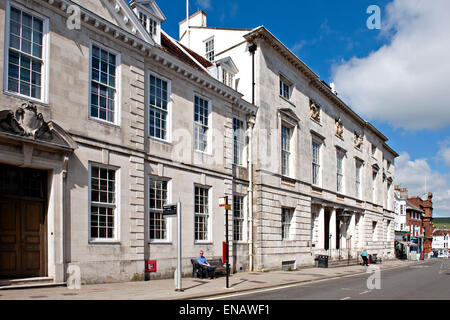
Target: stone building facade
point(322, 175)
point(103, 119)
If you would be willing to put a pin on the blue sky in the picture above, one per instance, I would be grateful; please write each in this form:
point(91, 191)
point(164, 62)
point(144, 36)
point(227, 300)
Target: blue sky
point(394, 77)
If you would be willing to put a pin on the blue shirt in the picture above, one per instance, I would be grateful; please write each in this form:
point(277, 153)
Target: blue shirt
point(364, 254)
point(201, 260)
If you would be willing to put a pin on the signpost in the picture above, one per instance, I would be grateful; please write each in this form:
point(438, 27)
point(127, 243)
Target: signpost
point(223, 202)
point(171, 210)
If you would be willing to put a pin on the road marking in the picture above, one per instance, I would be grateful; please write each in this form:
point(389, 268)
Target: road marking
point(364, 292)
point(307, 283)
point(346, 298)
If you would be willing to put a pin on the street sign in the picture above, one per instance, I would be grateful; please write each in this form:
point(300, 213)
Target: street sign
point(170, 210)
point(223, 201)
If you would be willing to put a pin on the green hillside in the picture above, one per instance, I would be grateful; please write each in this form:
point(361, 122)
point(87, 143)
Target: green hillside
point(442, 223)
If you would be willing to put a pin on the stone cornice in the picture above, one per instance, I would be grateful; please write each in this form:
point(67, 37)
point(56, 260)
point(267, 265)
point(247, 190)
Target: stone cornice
point(90, 19)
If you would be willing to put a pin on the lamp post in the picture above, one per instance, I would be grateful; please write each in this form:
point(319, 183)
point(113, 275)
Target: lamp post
point(223, 202)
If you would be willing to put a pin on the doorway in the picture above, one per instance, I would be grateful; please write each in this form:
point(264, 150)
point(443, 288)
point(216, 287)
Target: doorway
point(23, 222)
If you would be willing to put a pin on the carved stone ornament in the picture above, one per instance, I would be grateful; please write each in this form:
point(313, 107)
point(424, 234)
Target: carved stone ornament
point(25, 121)
point(339, 127)
point(358, 140)
point(315, 111)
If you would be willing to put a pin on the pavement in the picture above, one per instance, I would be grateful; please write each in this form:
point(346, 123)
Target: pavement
point(194, 288)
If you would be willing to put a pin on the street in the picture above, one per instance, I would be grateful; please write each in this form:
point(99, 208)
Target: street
point(427, 281)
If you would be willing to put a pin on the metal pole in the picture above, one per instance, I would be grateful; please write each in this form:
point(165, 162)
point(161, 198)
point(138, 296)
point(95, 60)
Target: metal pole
point(179, 288)
point(226, 241)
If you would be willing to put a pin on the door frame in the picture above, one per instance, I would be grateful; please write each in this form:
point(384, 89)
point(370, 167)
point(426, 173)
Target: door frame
point(20, 201)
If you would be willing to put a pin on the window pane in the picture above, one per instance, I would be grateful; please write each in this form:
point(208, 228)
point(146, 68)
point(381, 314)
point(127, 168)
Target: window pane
point(102, 200)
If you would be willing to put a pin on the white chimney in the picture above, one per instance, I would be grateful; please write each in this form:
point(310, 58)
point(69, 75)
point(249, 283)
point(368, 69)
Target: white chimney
point(198, 19)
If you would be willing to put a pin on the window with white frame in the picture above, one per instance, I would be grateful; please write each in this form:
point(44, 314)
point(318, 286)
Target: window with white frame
point(388, 196)
point(201, 213)
point(25, 54)
point(286, 134)
point(201, 124)
point(285, 88)
point(238, 141)
point(227, 78)
point(153, 27)
point(374, 185)
point(316, 162)
point(103, 206)
point(340, 172)
point(238, 218)
point(373, 150)
point(143, 19)
point(158, 225)
point(358, 166)
point(209, 49)
point(286, 219)
point(103, 84)
point(159, 107)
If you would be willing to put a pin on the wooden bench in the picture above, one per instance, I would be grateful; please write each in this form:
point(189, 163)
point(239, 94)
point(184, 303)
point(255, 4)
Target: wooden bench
point(200, 271)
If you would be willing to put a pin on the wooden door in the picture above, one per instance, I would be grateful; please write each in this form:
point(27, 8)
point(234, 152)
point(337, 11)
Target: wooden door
point(31, 238)
point(9, 238)
point(21, 238)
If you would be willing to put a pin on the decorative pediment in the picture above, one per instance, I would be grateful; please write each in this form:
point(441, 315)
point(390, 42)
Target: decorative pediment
point(289, 115)
point(152, 8)
point(228, 63)
point(26, 122)
point(126, 19)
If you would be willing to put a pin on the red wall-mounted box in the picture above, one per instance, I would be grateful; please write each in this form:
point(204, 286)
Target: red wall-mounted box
point(150, 265)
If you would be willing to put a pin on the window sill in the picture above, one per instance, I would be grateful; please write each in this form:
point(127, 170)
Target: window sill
point(111, 124)
point(203, 153)
point(162, 242)
point(288, 101)
point(203, 242)
point(104, 242)
point(315, 121)
point(167, 142)
point(22, 97)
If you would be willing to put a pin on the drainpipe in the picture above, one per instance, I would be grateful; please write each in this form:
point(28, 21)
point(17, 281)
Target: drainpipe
point(63, 218)
point(252, 49)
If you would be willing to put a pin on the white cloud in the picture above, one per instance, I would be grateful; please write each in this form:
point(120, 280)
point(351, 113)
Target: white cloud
point(418, 177)
point(406, 81)
point(204, 4)
point(444, 152)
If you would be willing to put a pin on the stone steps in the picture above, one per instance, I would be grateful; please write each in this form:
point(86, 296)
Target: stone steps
point(342, 263)
point(26, 283)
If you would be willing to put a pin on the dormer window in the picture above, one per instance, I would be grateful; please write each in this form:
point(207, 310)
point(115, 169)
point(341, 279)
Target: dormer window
point(149, 24)
point(209, 49)
point(153, 27)
point(150, 16)
point(227, 78)
point(143, 19)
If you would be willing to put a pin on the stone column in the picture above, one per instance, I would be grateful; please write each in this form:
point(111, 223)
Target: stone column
point(333, 230)
point(351, 230)
point(321, 231)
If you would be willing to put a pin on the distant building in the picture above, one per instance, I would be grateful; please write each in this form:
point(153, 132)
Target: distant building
point(400, 199)
point(427, 219)
point(441, 239)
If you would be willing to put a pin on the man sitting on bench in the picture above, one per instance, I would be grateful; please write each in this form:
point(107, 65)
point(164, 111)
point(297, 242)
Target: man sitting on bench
point(201, 260)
